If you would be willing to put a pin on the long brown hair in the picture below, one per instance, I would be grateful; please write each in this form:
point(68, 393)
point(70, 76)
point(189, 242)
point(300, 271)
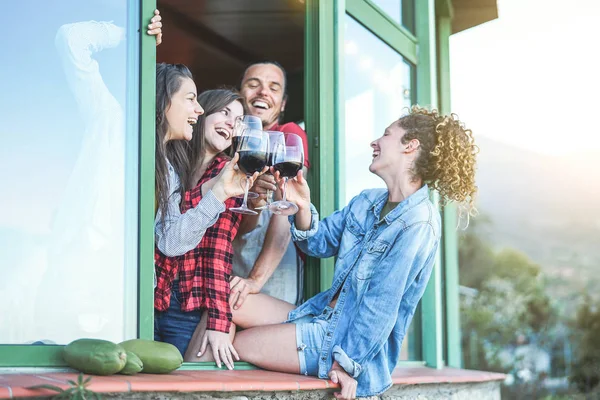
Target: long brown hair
point(212, 101)
point(168, 81)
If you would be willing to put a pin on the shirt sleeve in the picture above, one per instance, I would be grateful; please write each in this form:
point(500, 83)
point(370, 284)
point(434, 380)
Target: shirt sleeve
point(180, 233)
point(217, 296)
point(292, 127)
point(394, 291)
point(323, 238)
point(217, 275)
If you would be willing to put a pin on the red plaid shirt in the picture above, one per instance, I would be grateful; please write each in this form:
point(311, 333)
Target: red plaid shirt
point(203, 272)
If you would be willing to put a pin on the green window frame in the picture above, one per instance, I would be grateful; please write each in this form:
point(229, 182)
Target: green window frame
point(439, 337)
point(50, 356)
point(324, 116)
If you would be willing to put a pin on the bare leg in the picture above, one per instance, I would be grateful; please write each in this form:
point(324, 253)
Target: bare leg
point(257, 310)
point(261, 309)
point(270, 347)
point(191, 354)
point(267, 343)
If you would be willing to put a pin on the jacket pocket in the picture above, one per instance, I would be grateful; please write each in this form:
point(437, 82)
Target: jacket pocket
point(352, 236)
point(372, 257)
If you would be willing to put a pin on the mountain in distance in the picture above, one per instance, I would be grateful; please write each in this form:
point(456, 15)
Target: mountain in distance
point(545, 206)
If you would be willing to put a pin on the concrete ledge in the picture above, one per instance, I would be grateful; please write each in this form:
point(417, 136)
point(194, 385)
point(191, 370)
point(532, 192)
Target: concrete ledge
point(252, 384)
point(458, 391)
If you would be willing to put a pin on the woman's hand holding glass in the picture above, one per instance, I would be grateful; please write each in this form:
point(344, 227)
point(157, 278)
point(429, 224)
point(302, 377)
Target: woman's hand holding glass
point(264, 186)
point(231, 180)
point(296, 190)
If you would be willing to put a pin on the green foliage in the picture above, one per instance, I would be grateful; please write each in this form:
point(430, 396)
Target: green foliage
point(510, 299)
point(77, 390)
point(585, 374)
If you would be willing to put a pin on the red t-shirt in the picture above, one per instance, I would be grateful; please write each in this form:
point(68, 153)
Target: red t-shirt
point(292, 127)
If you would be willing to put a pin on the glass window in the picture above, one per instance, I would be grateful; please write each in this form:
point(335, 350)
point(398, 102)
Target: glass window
point(377, 87)
point(401, 11)
point(68, 167)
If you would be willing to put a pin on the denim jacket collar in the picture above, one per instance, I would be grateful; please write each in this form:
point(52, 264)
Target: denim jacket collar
point(403, 207)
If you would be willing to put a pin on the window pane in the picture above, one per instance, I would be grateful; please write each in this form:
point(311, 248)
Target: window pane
point(68, 167)
point(401, 11)
point(377, 86)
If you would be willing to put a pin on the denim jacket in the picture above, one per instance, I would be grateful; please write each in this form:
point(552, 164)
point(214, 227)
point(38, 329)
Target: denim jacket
point(381, 272)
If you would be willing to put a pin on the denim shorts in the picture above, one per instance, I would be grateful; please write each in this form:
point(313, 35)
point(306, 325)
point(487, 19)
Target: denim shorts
point(310, 334)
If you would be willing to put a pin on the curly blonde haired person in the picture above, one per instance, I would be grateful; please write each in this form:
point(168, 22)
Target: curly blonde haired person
point(385, 241)
point(447, 159)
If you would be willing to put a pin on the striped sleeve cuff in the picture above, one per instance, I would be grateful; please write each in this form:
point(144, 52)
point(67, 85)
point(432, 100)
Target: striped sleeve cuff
point(211, 205)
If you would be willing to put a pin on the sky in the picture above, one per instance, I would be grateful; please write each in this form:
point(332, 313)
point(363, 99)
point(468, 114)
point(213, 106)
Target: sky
point(531, 78)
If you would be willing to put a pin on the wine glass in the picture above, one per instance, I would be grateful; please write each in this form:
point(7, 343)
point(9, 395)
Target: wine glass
point(253, 149)
point(276, 140)
point(242, 123)
point(287, 160)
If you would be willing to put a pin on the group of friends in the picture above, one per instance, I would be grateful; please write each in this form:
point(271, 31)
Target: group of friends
point(228, 286)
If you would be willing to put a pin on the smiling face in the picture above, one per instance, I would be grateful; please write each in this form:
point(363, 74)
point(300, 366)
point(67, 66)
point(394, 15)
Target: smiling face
point(263, 91)
point(183, 112)
point(218, 127)
point(388, 151)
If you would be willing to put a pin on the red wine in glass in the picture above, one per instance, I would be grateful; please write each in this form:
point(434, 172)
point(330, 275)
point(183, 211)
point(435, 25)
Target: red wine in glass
point(253, 148)
point(288, 159)
point(288, 169)
point(252, 161)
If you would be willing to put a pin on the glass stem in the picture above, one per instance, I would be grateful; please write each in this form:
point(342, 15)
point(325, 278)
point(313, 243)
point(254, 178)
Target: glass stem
point(246, 193)
point(269, 197)
point(284, 187)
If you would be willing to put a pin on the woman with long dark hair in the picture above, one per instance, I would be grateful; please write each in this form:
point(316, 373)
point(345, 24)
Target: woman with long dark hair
point(177, 110)
point(194, 252)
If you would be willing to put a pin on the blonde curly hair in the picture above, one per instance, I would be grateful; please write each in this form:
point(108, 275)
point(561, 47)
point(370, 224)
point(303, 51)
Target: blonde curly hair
point(447, 157)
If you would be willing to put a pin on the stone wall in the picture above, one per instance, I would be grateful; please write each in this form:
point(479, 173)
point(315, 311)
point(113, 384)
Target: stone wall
point(452, 391)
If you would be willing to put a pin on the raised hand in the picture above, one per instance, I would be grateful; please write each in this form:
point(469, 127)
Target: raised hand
point(297, 190)
point(231, 181)
point(263, 184)
point(155, 27)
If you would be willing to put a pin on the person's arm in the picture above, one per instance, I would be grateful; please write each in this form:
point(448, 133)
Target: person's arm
point(76, 42)
point(315, 238)
point(216, 289)
point(276, 243)
point(402, 274)
point(181, 233)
